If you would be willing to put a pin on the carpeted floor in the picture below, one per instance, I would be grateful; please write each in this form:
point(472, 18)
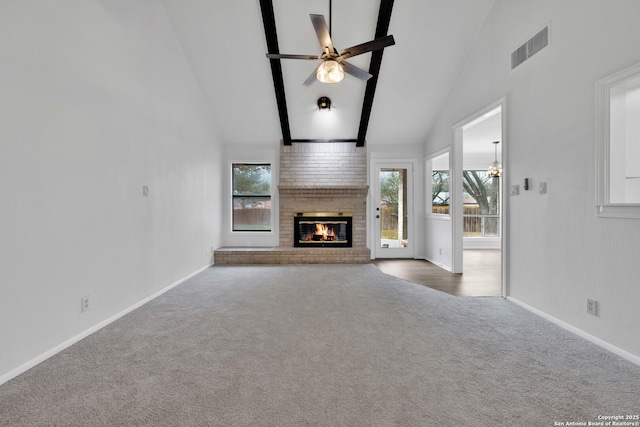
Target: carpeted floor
point(322, 345)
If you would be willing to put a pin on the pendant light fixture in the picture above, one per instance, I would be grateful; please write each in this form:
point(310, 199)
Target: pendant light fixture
point(495, 169)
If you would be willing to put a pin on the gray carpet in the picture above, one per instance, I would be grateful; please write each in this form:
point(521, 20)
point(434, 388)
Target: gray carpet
point(323, 345)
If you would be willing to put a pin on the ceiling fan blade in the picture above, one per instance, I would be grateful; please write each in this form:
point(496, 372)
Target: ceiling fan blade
point(312, 77)
point(376, 44)
point(287, 56)
point(355, 71)
point(322, 31)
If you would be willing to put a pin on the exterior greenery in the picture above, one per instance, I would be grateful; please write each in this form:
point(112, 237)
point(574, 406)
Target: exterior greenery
point(481, 197)
point(251, 185)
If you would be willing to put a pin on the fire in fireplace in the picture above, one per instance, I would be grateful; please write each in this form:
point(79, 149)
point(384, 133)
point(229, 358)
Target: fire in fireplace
point(322, 229)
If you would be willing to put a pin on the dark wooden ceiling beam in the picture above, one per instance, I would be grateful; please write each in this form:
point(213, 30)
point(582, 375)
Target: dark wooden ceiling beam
point(382, 27)
point(269, 21)
point(325, 140)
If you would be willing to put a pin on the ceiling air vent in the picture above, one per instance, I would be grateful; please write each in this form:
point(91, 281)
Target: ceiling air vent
point(532, 46)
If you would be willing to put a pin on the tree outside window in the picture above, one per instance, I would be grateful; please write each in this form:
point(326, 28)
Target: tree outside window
point(393, 200)
point(480, 205)
point(251, 186)
point(440, 192)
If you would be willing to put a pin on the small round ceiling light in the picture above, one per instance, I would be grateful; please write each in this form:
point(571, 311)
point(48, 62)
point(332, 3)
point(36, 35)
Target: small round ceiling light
point(330, 71)
point(324, 103)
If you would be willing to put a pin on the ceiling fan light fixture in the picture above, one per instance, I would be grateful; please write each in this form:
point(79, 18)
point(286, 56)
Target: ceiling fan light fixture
point(330, 71)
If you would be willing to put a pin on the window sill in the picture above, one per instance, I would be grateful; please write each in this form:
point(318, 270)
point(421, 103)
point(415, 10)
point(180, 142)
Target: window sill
point(439, 217)
point(622, 210)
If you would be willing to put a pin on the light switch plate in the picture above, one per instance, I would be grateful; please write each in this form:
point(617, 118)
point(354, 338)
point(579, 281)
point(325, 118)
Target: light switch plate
point(543, 188)
point(515, 190)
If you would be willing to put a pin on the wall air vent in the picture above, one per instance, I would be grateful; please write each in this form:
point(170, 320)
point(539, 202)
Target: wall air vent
point(532, 46)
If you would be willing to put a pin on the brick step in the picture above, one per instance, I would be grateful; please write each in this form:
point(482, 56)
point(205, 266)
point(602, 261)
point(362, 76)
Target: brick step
point(288, 255)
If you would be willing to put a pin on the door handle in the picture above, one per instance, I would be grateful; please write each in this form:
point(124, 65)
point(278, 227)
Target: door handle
point(377, 216)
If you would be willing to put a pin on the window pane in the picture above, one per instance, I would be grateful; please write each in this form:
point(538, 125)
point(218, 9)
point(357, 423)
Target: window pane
point(251, 179)
point(440, 192)
point(481, 209)
point(251, 213)
point(439, 167)
point(491, 227)
point(481, 191)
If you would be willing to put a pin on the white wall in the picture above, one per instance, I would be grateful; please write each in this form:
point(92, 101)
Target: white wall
point(560, 253)
point(96, 101)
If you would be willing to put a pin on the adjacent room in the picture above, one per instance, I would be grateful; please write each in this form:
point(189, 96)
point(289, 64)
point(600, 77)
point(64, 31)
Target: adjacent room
point(284, 212)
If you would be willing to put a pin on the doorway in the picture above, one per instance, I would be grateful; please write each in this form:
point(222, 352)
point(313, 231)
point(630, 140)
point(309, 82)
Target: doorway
point(393, 210)
point(478, 196)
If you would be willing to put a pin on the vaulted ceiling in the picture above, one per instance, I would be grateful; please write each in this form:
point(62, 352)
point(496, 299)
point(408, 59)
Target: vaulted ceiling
point(224, 44)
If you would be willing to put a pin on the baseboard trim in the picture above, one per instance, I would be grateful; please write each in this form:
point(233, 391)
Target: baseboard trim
point(595, 340)
point(439, 264)
point(57, 349)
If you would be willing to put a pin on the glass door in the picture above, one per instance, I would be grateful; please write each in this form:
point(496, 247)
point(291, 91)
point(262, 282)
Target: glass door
point(393, 211)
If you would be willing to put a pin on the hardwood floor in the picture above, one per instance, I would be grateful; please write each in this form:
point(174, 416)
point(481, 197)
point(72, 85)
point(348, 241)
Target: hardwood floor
point(482, 273)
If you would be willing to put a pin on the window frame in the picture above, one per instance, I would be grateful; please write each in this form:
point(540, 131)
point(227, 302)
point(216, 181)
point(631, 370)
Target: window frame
point(498, 200)
point(605, 209)
point(428, 213)
point(234, 197)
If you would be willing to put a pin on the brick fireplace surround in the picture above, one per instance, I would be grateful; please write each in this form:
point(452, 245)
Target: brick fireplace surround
point(314, 177)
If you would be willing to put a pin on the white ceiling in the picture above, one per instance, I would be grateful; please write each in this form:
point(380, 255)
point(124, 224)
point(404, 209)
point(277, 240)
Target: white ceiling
point(478, 150)
point(223, 41)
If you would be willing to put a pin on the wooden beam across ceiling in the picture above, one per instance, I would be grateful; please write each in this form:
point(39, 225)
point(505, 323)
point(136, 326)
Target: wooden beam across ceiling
point(382, 27)
point(269, 21)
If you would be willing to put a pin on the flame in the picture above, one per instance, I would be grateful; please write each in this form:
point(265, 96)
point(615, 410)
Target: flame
point(322, 232)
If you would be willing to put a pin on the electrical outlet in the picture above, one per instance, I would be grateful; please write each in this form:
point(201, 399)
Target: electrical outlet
point(592, 307)
point(84, 304)
point(145, 191)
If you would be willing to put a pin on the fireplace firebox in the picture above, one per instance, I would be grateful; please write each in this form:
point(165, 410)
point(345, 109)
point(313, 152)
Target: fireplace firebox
point(322, 229)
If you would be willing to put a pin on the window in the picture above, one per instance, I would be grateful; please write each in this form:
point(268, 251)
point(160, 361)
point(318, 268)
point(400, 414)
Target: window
point(618, 144)
point(251, 194)
point(481, 209)
point(440, 192)
point(440, 184)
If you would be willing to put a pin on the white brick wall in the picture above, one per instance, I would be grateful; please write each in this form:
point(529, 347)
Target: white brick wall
point(323, 177)
point(323, 164)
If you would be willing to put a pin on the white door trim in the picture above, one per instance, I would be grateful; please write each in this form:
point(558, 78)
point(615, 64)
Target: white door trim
point(457, 190)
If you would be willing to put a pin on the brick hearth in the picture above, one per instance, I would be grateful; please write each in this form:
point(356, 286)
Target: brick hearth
point(284, 255)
